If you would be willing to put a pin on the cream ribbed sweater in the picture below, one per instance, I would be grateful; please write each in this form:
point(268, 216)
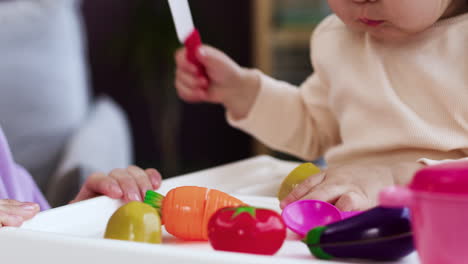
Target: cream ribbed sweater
point(370, 102)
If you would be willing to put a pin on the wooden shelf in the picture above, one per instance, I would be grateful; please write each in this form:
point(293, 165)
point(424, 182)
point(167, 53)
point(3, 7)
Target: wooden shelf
point(270, 41)
point(262, 15)
point(262, 11)
point(285, 38)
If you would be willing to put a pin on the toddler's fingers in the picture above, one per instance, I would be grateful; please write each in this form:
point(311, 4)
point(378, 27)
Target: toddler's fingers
point(187, 94)
point(155, 178)
point(24, 210)
point(127, 184)
point(353, 201)
point(180, 56)
point(142, 179)
point(10, 202)
point(83, 194)
point(302, 189)
point(10, 220)
point(325, 192)
point(214, 60)
point(183, 64)
point(191, 81)
point(99, 183)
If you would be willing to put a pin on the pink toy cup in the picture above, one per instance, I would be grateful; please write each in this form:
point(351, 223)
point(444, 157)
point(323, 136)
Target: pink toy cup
point(304, 215)
point(438, 199)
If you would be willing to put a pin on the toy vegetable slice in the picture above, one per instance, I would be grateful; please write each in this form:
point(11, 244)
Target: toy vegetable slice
point(186, 210)
point(296, 177)
point(135, 221)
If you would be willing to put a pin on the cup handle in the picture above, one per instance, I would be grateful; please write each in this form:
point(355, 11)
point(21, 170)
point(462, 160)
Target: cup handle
point(396, 196)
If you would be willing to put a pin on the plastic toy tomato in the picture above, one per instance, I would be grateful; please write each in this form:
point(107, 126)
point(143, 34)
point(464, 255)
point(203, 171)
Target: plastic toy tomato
point(247, 229)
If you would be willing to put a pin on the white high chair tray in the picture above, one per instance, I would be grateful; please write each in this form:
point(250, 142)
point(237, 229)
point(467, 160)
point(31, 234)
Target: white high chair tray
point(73, 234)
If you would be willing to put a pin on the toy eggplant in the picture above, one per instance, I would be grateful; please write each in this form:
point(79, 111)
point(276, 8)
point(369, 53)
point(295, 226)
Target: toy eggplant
point(382, 234)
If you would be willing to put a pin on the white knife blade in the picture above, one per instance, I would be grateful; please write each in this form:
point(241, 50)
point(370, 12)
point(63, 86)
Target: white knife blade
point(182, 17)
point(187, 33)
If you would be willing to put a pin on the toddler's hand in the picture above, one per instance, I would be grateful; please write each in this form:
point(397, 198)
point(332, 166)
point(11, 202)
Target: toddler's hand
point(14, 213)
point(229, 84)
point(129, 184)
point(352, 187)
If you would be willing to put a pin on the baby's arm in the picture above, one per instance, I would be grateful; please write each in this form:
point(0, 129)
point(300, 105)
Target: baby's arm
point(291, 119)
point(297, 121)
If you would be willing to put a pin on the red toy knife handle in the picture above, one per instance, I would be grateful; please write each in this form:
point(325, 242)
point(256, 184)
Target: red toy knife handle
point(192, 43)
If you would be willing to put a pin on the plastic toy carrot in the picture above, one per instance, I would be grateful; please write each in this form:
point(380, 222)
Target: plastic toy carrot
point(186, 210)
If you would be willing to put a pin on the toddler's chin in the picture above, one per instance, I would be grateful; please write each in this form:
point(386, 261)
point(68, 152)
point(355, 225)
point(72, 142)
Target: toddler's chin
point(384, 33)
point(389, 37)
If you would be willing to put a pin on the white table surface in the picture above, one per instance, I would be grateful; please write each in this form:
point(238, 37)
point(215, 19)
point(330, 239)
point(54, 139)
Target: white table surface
point(73, 234)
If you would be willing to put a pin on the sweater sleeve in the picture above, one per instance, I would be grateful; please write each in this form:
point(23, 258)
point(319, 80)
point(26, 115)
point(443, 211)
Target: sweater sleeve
point(291, 119)
point(294, 120)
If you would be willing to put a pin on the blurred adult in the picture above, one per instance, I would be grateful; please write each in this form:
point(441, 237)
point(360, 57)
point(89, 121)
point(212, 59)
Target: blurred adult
point(57, 131)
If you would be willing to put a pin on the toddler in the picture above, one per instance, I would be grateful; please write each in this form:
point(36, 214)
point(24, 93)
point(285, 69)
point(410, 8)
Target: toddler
point(388, 96)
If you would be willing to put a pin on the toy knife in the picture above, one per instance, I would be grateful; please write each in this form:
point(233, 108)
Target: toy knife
point(186, 32)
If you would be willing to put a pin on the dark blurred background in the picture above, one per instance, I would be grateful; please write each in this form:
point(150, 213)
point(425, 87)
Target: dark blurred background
point(131, 46)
